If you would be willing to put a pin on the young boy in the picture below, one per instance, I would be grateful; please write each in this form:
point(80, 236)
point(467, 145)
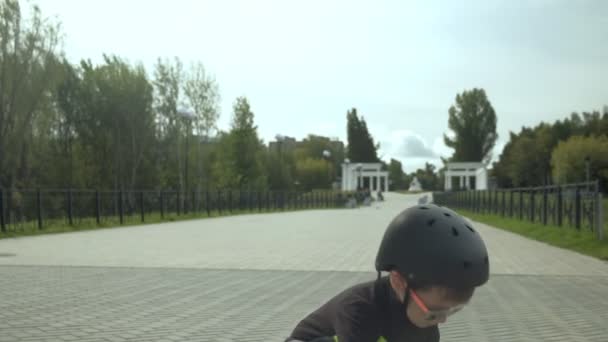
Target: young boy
point(434, 259)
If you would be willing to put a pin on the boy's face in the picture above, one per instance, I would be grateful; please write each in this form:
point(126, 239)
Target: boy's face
point(430, 307)
point(426, 307)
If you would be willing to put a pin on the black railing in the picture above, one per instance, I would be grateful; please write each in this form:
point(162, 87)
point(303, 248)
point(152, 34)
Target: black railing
point(573, 205)
point(29, 209)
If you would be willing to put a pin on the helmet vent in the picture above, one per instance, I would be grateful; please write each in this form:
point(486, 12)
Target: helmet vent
point(467, 264)
point(447, 214)
point(470, 228)
point(424, 208)
point(454, 231)
point(431, 221)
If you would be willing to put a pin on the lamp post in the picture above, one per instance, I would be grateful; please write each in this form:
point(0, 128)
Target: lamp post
point(327, 157)
point(346, 179)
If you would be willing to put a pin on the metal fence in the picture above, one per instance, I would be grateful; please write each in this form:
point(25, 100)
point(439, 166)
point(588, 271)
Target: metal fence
point(22, 210)
point(574, 205)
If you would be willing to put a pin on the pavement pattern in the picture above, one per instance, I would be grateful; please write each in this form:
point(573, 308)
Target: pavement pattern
point(253, 277)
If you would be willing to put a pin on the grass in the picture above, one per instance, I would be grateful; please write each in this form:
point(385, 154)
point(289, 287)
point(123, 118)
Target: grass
point(583, 241)
point(55, 226)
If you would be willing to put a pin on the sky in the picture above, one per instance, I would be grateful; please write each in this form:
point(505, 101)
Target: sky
point(304, 64)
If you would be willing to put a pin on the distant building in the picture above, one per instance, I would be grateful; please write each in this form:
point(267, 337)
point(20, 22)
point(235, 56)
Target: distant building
point(466, 176)
point(358, 176)
point(287, 144)
point(283, 144)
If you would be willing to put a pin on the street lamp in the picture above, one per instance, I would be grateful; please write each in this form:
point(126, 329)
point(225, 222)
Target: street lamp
point(346, 175)
point(188, 115)
point(327, 156)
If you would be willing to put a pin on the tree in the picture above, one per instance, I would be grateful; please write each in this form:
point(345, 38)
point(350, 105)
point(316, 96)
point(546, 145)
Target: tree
point(281, 170)
point(526, 158)
point(29, 71)
point(240, 155)
point(313, 173)
point(115, 124)
point(473, 123)
point(428, 178)
point(316, 147)
point(568, 160)
point(396, 176)
point(168, 80)
point(361, 147)
point(202, 92)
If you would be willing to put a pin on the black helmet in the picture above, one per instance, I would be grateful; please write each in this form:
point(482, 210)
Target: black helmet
point(432, 245)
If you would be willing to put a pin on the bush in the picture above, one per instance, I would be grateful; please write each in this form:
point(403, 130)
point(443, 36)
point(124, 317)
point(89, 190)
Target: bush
point(568, 160)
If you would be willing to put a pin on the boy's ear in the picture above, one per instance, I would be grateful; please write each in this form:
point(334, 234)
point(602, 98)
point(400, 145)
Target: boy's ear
point(398, 283)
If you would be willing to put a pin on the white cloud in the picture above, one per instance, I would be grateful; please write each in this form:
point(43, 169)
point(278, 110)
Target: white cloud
point(406, 144)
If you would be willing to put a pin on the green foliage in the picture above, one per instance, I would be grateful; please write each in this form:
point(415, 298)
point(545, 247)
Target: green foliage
point(396, 176)
point(240, 154)
point(313, 173)
point(568, 159)
point(361, 147)
point(428, 177)
point(473, 122)
point(29, 71)
point(281, 171)
point(526, 159)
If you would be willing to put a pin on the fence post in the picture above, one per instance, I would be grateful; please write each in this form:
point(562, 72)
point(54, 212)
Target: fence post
point(488, 199)
point(532, 205)
point(39, 207)
point(259, 200)
point(599, 221)
point(267, 200)
point(521, 204)
point(207, 203)
point(179, 203)
point(230, 201)
point(9, 199)
point(545, 206)
point(559, 206)
point(503, 204)
point(219, 201)
point(120, 208)
point(141, 205)
point(248, 205)
point(161, 200)
point(2, 223)
point(193, 206)
point(578, 208)
point(511, 203)
point(185, 208)
point(97, 208)
point(70, 219)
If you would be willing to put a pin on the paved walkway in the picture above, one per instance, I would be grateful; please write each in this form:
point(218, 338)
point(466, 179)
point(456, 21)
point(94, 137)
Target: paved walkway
point(252, 277)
